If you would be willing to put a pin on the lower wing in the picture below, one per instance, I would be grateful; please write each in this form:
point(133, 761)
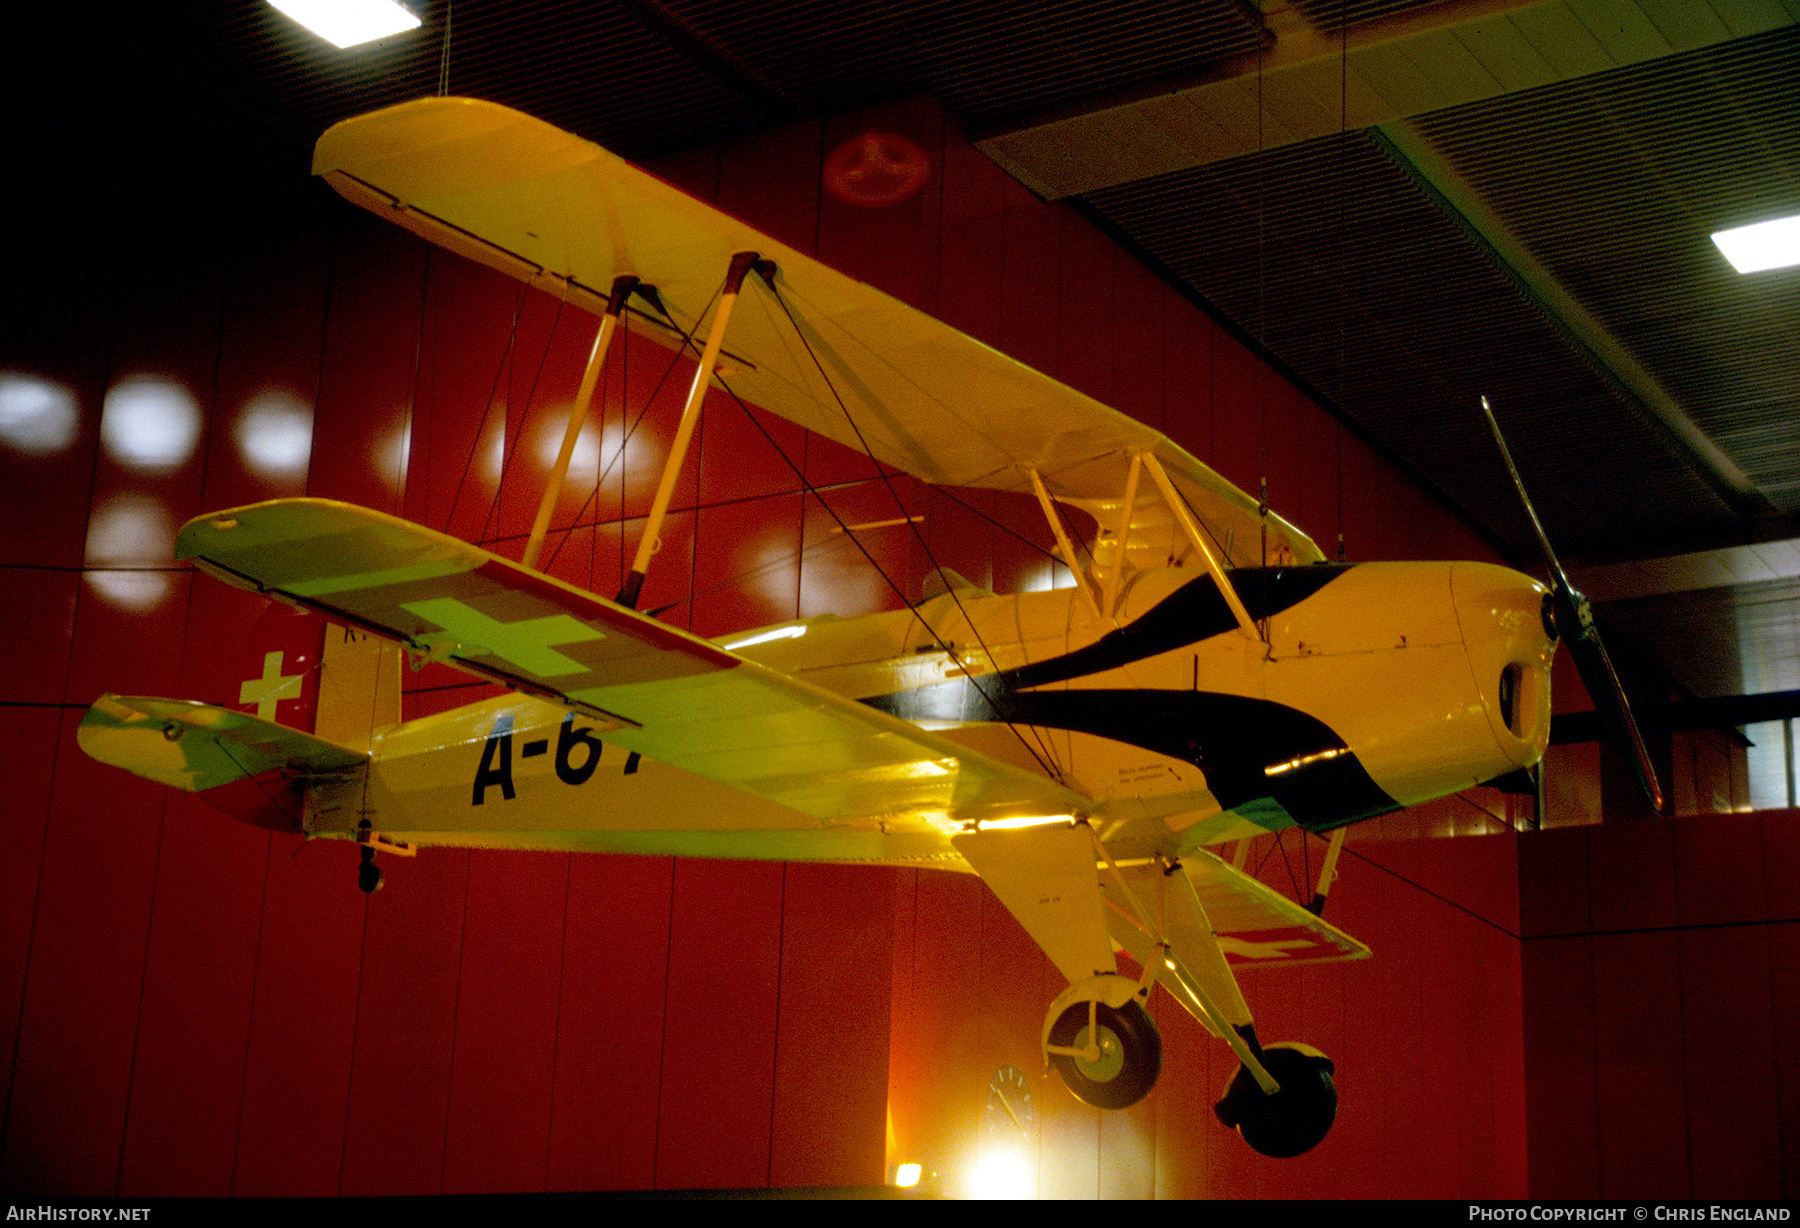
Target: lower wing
point(649, 687)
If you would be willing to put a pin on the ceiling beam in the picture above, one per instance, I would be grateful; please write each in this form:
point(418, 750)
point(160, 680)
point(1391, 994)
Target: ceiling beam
point(1410, 148)
point(1689, 573)
point(1310, 83)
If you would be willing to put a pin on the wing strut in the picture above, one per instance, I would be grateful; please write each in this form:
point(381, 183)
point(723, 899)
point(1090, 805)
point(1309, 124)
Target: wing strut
point(1063, 545)
point(1189, 526)
point(1123, 534)
point(741, 265)
point(622, 287)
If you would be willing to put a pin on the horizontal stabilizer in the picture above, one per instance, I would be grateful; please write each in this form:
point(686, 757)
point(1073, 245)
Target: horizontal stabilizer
point(194, 746)
point(1258, 925)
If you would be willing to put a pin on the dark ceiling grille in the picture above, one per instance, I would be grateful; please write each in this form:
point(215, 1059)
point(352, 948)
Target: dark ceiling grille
point(983, 59)
point(1355, 278)
point(1614, 183)
point(596, 69)
point(1344, 14)
point(645, 77)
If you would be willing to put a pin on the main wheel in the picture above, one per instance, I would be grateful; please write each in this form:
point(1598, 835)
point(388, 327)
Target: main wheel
point(1295, 1119)
point(1130, 1054)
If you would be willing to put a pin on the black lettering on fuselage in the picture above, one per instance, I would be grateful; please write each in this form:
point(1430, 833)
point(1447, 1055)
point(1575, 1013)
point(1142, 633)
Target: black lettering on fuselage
point(578, 755)
point(498, 747)
point(567, 739)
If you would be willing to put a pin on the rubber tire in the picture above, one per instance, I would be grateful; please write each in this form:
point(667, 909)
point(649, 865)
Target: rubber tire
point(1141, 1044)
point(368, 877)
point(1295, 1119)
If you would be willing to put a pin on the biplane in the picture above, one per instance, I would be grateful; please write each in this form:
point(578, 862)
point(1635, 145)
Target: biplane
point(1094, 753)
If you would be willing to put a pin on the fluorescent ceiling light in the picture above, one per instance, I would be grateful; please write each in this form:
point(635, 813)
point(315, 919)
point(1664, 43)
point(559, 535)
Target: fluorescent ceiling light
point(1766, 245)
point(349, 23)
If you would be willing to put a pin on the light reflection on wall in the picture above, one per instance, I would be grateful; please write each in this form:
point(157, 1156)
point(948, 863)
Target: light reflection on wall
point(130, 540)
point(392, 454)
point(273, 432)
point(1044, 576)
point(640, 456)
point(493, 451)
point(768, 566)
point(835, 578)
point(548, 442)
point(149, 424)
point(1001, 1172)
point(38, 416)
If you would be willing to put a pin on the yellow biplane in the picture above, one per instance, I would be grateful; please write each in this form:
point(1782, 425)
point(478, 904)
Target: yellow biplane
point(1210, 676)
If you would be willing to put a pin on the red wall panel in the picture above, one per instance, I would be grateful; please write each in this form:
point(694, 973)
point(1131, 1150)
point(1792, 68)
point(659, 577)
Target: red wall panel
point(1187, 376)
point(362, 436)
point(193, 1022)
point(32, 738)
point(1784, 983)
point(71, 1079)
point(1561, 1075)
point(714, 1114)
point(504, 1063)
point(296, 1081)
point(403, 1053)
point(1637, 1045)
point(266, 383)
point(1728, 1038)
point(34, 658)
point(609, 1026)
point(837, 932)
point(1657, 1034)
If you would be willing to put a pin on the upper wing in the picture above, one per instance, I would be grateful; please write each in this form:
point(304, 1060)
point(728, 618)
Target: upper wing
point(654, 688)
point(562, 213)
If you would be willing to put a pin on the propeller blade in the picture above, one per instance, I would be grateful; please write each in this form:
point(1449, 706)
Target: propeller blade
point(1602, 682)
point(1574, 621)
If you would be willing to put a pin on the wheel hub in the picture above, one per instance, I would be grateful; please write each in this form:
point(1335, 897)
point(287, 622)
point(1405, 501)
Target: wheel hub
point(1111, 1060)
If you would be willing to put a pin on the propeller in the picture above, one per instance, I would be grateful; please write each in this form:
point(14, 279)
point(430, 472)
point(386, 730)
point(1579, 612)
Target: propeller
point(1572, 617)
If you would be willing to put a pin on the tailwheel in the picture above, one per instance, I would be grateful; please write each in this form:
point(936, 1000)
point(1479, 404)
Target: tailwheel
point(368, 875)
point(1125, 1061)
point(1296, 1118)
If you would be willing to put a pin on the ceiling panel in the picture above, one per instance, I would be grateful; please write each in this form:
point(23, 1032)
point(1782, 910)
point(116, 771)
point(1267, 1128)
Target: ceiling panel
point(1614, 183)
point(1352, 274)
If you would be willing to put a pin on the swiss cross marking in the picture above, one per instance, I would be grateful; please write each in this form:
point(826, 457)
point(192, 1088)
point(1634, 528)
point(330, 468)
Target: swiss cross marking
point(269, 690)
point(529, 644)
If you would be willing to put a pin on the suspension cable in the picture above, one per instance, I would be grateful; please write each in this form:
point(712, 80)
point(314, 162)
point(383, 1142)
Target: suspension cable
point(1048, 759)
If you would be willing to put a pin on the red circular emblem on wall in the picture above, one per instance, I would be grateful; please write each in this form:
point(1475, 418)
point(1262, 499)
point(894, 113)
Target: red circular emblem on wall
point(876, 168)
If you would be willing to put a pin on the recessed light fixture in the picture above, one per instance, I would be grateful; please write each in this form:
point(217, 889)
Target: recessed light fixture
point(349, 23)
point(1766, 245)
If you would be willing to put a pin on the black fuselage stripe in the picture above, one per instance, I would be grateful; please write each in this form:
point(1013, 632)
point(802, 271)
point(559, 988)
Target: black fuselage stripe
point(1247, 748)
point(1196, 611)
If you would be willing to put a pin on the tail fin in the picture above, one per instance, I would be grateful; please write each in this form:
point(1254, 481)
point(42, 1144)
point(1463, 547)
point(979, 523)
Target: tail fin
point(311, 696)
point(359, 687)
point(278, 677)
point(306, 673)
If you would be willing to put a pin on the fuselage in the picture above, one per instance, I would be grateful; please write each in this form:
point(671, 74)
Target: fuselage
point(1367, 687)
